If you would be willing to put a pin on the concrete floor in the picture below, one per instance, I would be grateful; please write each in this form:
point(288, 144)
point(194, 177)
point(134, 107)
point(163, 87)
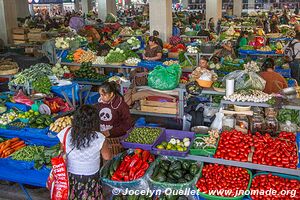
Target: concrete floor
point(12, 191)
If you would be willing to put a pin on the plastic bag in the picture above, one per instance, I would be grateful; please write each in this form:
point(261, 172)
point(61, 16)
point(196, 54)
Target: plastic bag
point(246, 80)
point(165, 78)
point(217, 123)
point(289, 127)
point(20, 97)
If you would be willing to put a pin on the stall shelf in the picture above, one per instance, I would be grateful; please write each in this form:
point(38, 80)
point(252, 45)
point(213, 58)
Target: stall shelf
point(265, 105)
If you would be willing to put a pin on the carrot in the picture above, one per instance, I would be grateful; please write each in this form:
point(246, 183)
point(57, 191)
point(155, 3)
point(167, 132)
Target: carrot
point(19, 147)
point(17, 144)
point(14, 140)
point(9, 152)
point(6, 150)
point(5, 146)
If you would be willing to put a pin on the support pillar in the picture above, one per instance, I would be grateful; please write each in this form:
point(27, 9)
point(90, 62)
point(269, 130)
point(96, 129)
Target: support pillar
point(8, 19)
point(86, 6)
point(213, 9)
point(105, 7)
point(22, 8)
point(161, 18)
point(237, 8)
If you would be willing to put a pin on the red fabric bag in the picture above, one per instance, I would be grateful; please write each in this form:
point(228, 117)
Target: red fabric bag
point(58, 181)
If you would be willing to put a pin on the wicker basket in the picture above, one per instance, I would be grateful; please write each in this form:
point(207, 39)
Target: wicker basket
point(115, 145)
point(219, 89)
point(8, 68)
point(131, 65)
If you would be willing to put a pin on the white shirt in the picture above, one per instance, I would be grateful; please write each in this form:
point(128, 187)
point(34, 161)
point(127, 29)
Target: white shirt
point(85, 161)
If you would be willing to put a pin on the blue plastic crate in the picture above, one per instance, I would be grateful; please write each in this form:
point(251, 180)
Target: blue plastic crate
point(292, 82)
point(286, 73)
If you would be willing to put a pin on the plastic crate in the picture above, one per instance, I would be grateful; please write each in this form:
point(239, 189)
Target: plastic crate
point(203, 152)
point(130, 145)
point(286, 73)
point(169, 134)
point(210, 197)
point(275, 174)
point(292, 83)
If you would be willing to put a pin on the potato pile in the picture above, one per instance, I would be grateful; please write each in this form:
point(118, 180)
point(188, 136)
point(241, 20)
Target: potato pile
point(61, 123)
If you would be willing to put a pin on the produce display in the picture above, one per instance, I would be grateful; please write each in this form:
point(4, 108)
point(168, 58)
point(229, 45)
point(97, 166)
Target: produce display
point(288, 115)
point(280, 151)
point(42, 85)
point(129, 166)
point(8, 117)
point(234, 145)
point(170, 62)
point(215, 177)
point(115, 56)
point(40, 121)
point(59, 70)
point(175, 171)
point(250, 96)
point(82, 56)
point(39, 154)
point(32, 74)
point(132, 61)
point(265, 181)
point(8, 147)
point(134, 43)
point(191, 49)
point(18, 124)
point(143, 135)
point(100, 60)
point(175, 144)
point(87, 71)
point(60, 124)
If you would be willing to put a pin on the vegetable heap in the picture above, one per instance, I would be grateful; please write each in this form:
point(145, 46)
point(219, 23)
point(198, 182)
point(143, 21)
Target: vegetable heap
point(8, 117)
point(134, 43)
point(288, 115)
point(175, 144)
point(8, 147)
point(234, 145)
point(280, 151)
point(59, 70)
point(40, 121)
point(87, 71)
point(39, 154)
point(175, 171)
point(115, 56)
point(132, 61)
point(264, 182)
point(60, 124)
point(228, 178)
point(32, 74)
point(143, 135)
point(129, 166)
point(249, 95)
point(42, 85)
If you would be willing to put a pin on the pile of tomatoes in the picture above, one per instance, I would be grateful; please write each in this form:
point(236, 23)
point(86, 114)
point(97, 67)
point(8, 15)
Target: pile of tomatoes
point(280, 151)
point(263, 186)
point(230, 180)
point(234, 145)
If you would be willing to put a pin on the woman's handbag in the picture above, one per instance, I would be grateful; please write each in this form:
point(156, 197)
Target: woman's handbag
point(58, 181)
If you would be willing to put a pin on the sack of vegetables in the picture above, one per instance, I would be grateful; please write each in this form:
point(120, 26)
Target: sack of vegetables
point(127, 170)
point(174, 173)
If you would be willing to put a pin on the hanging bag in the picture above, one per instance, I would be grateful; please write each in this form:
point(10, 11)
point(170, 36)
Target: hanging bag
point(58, 181)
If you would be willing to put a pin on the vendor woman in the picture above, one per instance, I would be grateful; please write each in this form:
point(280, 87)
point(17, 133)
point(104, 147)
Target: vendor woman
point(152, 51)
point(203, 63)
point(115, 119)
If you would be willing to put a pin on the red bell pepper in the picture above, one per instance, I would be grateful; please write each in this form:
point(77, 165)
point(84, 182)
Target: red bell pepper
point(145, 155)
point(151, 158)
point(144, 166)
point(126, 178)
point(138, 151)
point(134, 160)
point(139, 174)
